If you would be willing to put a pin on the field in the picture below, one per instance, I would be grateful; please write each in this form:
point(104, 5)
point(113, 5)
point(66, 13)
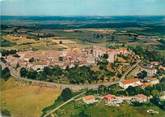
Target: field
point(25, 100)
point(24, 43)
point(101, 110)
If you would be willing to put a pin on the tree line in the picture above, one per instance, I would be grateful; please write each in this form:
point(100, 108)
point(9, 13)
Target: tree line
point(148, 54)
point(75, 75)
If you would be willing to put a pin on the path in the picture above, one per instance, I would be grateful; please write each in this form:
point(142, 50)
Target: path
point(52, 111)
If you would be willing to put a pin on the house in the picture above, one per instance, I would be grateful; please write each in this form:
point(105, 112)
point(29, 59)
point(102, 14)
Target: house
point(151, 71)
point(112, 100)
point(152, 111)
point(130, 82)
point(140, 98)
point(150, 81)
point(109, 98)
point(146, 84)
point(153, 81)
point(162, 67)
point(90, 99)
point(155, 63)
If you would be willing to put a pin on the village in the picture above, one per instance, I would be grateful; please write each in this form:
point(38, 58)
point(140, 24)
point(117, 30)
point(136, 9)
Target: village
point(69, 57)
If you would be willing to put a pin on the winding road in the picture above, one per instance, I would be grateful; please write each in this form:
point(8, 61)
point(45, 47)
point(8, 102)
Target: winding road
point(15, 73)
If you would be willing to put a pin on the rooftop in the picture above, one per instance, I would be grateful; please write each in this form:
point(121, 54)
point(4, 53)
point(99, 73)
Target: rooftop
point(89, 97)
point(130, 81)
point(109, 96)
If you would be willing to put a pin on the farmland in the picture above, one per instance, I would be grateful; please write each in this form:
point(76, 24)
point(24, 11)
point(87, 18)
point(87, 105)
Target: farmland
point(24, 100)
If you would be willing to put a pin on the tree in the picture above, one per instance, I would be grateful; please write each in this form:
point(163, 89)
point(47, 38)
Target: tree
point(32, 74)
point(41, 75)
point(155, 92)
point(48, 71)
point(5, 113)
point(162, 80)
point(83, 114)
point(57, 71)
point(60, 42)
point(66, 94)
point(79, 75)
point(5, 73)
point(102, 89)
point(142, 74)
point(23, 72)
point(102, 64)
point(132, 91)
point(105, 56)
point(31, 60)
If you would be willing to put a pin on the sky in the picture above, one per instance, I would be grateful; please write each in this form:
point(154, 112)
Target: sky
point(82, 7)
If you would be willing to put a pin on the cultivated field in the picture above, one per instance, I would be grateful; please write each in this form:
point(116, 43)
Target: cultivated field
point(23, 43)
point(25, 100)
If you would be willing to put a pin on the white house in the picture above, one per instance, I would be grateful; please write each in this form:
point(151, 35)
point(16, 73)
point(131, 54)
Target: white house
point(140, 98)
point(130, 82)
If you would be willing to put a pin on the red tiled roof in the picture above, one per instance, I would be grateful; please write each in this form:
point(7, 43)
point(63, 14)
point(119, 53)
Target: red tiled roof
point(89, 97)
point(130, 81)
point(109, 97)
point(141, 96)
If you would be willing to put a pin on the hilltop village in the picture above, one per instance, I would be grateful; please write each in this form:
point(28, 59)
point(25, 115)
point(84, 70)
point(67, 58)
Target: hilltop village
point(37, 60)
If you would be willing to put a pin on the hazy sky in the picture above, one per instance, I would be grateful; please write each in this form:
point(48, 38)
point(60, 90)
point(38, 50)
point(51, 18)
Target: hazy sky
point(82, 7)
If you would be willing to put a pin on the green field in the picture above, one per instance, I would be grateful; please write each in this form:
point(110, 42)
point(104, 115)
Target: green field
point(101, 110)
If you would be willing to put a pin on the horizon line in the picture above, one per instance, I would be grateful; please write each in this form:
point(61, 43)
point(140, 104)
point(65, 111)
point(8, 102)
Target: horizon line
point(79, 15)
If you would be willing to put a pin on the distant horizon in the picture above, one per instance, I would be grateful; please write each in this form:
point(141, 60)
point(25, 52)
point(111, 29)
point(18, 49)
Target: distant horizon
point(82, 15)
point(82, 7)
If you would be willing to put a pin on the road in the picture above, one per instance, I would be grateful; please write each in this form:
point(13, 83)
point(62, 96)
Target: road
point(74, 87)
point(129, 70)
point(52, 111)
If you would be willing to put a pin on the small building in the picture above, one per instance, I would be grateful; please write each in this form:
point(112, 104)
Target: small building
point(140, 98)
point(150, 69)
point(90, 99)
point(149, 81)
point(162, 67)
point(108, 98)
point(130, 82)
point(112, 100)
point(152, 111)
point(155, 63)
point(153, 81)
point(146, 84)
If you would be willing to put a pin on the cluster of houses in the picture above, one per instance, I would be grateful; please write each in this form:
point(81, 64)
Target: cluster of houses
point(149, 68)
point(66, 58)
point(113, 100)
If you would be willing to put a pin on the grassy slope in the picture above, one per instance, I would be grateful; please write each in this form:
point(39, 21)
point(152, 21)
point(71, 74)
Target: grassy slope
point(23, 100)
point(101, 110)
